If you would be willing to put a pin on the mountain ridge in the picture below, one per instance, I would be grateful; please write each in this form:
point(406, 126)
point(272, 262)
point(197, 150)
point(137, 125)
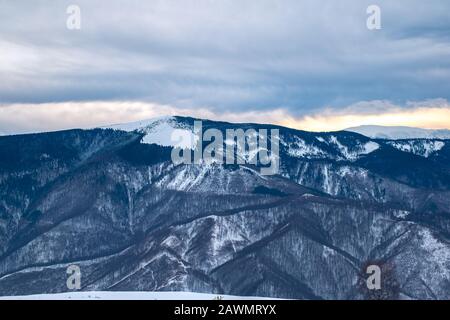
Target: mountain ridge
point(400, 132)
point(117, 207)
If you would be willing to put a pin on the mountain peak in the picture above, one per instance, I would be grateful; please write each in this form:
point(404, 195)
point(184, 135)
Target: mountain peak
point(160, 131)
point(399, 132)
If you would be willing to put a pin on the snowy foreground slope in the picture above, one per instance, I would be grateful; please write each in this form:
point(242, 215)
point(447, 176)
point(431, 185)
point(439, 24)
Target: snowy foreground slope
point(111, 201)
point(105, 295)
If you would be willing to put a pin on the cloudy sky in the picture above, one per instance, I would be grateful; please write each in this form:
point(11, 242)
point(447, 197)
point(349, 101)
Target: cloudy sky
point(307, 64)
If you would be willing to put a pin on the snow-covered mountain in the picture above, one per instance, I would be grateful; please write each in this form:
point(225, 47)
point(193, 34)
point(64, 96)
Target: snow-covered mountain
point(162, 131)
point(111, 201)
point(399, 132)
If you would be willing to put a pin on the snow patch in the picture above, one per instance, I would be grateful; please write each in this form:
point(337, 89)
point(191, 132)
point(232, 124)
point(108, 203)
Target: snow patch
point(320, 139)
point(440, 253)
point(370, 147)
point(353, 155)
point(401, 214)
point(300, 149)
point(423, 148)
point(327, 252)
point(164, 131)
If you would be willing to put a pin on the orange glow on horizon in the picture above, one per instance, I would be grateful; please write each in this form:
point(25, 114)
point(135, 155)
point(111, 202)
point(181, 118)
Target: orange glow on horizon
point(20, 118)
point(426, 118)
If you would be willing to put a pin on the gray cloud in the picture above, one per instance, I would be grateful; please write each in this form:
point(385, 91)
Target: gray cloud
point(225, 55)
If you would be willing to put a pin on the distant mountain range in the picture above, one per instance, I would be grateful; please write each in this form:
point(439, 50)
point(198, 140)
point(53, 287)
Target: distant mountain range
point(387, 132)
point(111, 201)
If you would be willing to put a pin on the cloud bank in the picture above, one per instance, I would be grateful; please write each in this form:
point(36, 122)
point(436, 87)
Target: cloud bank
point(27, 118)
point(307, 64)
point(225, 56)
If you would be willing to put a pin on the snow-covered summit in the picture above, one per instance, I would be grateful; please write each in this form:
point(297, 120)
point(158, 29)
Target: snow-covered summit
point(399, 132)
point(136, 125)
point(164, 131)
